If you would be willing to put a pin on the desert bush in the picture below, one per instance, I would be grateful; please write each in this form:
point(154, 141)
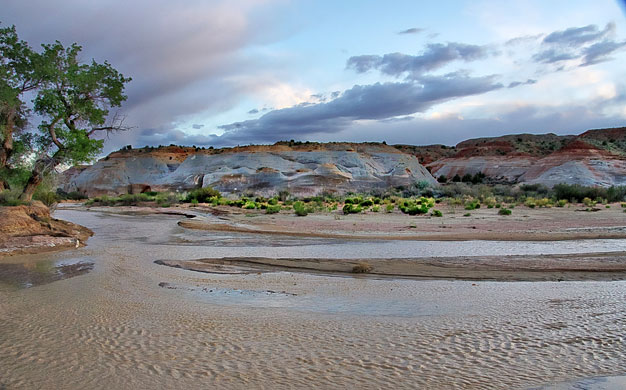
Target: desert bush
point(589, 202)
point(376, 208)
point(203, 195)
point(272, 209)
point(300, 209)
point(10, 198)
point(561, 203)
point(389, 208)
point(504, 211)
point(250, 205)
point(350, 208)
point(437, 213)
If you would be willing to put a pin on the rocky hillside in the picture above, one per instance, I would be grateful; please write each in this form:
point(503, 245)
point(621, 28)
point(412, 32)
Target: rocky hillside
point(594, 158)
point(300, 168)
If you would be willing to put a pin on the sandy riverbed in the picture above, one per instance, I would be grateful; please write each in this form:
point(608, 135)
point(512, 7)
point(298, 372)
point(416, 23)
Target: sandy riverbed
point(526, 224)
point(127, 322)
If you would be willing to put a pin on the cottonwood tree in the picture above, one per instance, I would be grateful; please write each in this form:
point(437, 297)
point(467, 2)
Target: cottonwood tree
point(73, 100)
point(18, 76)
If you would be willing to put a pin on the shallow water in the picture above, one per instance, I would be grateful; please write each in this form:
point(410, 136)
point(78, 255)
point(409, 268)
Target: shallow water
point(130, 323)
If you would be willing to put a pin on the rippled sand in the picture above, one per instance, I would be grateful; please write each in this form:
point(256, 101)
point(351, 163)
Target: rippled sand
point(130, 323)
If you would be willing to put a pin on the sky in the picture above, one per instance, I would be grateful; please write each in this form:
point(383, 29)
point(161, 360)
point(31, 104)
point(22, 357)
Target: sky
point(238, 72)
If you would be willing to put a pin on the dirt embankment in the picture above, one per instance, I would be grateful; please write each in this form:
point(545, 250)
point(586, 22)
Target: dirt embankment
point(31, 229)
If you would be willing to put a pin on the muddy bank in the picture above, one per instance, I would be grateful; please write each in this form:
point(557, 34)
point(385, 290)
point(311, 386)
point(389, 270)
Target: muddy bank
point(592, 266)
point(31, 229)
point(525, 224)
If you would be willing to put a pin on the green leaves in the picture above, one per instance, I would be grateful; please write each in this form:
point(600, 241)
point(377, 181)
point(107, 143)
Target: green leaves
point(72, 98)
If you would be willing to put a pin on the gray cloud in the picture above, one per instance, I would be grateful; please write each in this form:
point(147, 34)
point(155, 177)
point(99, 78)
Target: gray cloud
point(413, 30)
point(578, 36)
point(197, 126)
point(361, 102)
point(551, 56)
point(588, 44)
point(253, 111)
point(518, 83)
point(600, 52)
point(182, 56)
point(434, 57)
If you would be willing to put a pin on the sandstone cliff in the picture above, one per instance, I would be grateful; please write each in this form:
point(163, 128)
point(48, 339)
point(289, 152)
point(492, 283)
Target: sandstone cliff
point(302, 169)
point(594, 158)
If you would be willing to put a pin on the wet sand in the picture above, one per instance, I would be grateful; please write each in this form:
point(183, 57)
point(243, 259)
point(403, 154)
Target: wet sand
point(131, 323)
point(590, 266)
point(525, 224)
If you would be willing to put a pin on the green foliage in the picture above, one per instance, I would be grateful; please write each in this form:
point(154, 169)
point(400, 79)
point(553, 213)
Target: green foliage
point(576, 192)
point(589, 202)
point(389, 208)
point(272, 209)
point(504, 211)
point(350, 208)
point(203, 195)
point(420, 205)
point(72, 99)
point(250, 205)
point(301, 209)
point(561, 203)
point(10, 198)
point(472, 204)
point(437, 213)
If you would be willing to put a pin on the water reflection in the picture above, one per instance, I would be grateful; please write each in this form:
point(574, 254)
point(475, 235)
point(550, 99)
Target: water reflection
point(31, 274)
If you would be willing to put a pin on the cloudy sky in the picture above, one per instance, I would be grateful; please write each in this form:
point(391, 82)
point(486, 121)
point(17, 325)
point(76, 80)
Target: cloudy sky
point(210, 72)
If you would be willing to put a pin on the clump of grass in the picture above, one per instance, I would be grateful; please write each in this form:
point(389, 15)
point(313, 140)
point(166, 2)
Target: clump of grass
point(389, 208)
point(467, 215)
point(362, 268)
point(272, 209)
point(351, 208)
point(504, 211)
point(437, 213)
point(203, 195)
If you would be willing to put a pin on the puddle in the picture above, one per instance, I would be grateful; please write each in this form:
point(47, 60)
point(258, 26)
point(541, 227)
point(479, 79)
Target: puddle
point(32, 274)
point(601, 383)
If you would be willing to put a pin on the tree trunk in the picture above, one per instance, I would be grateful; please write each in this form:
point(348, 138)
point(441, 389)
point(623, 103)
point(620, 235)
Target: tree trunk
point(33, 182)
point(6, 149)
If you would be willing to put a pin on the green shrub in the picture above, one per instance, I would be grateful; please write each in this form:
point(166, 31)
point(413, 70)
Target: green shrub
point(467, 215)
point(389, 208)
point(203, 195)
point(376, 208)
point(250, 205)
point(504, 211)
point(561, 203)
point(350, 208)
point(272, 209)
point(437, 213)
point(10, 198)
point(589, 202)
point(300, 209)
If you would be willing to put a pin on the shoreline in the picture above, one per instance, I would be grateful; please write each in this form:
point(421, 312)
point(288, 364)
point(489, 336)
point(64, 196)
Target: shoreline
point(609, 266)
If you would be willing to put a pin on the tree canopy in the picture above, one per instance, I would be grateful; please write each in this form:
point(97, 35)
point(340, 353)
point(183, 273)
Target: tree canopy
point(71, 99)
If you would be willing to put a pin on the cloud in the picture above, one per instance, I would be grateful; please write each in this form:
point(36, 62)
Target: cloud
point(578, 36)
point(184, 57)
point(588, 44)
point(378, 101)
point(434, 57)
point(197, 127)
point(518, 83)
point(253, 111)
point(412, 30)
point(551, 56)
point(599, 52)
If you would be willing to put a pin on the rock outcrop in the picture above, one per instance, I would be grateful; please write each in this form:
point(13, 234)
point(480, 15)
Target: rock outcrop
point(594, 158)
point(302, 169)
point(31, 229)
